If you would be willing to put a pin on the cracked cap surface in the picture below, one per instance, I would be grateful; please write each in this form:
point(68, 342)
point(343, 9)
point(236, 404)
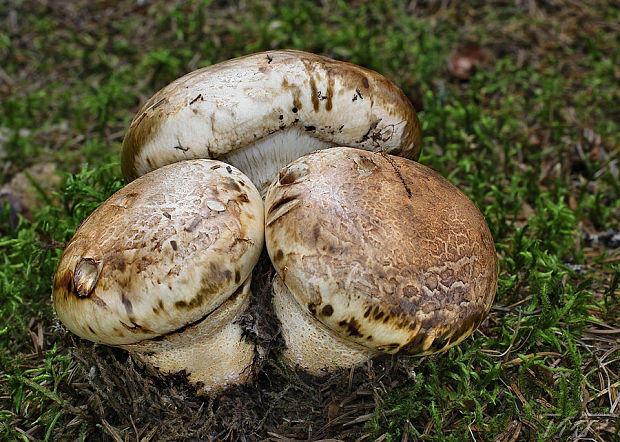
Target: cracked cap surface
point(381, 250)
point(235, 110)
point(163, 252)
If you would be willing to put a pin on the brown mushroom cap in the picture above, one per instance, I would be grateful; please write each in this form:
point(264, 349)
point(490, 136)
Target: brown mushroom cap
point(166, 252)
point(382, 251)
point(261, 111)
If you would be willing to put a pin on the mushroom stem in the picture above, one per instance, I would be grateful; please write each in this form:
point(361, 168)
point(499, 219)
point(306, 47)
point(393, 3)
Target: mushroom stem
point(211, 353)
point(310, 345)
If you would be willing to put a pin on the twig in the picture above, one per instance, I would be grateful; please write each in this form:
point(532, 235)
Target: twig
point(113, 431)
point(604, 392)
point(521, 359)
point(52, 395)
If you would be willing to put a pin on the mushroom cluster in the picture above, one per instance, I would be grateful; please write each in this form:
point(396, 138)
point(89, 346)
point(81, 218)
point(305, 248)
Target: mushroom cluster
point(374, 253)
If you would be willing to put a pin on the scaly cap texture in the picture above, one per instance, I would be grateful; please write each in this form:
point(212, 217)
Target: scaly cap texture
point(262, 111)
point(381, 250)
point(161, 253)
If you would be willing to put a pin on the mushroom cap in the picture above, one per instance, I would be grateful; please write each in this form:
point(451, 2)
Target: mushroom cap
point(381, 250)
point(165, 251)
point(262, 111)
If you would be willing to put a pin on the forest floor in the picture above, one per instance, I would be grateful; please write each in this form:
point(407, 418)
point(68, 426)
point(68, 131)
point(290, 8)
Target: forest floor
point(520, 107)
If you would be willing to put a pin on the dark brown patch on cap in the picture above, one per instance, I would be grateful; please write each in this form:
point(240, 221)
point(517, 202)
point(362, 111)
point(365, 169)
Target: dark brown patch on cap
point(197, 300)
point(351, 326)
point(98, 301)
point(180, 304)
point(291, 175)
point(135, 327)
point(231, 184)
point(439, 344)
point(117, 261)
point(314, 94)
point(296, 104)
point(211, 283)
point(316, 232)
point(63, 280)
point(329, 93)
point(414, 346)
point(328, 310)
point(468, 324)
point(279, 255)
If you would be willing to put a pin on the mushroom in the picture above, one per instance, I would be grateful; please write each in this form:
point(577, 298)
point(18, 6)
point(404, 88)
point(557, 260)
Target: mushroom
point(262, 111)
point(163, 269)
point(374, 254)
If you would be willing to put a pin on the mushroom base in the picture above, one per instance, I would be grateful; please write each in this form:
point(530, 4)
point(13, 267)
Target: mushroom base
point(310, 345)
point(211, 353)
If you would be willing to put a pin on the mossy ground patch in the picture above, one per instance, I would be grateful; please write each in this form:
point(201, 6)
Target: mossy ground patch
point(531, 137)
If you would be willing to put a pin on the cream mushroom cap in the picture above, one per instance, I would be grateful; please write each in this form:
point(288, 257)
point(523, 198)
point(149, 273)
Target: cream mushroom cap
point(262, 111)
point(383, 252)
point(165, 253)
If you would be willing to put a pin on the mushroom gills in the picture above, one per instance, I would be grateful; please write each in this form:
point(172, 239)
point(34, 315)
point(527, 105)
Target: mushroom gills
point(262, 160)
point(211, 353)
point(310, 345)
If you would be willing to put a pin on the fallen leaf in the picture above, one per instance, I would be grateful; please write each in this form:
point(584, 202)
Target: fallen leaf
point(465, 59)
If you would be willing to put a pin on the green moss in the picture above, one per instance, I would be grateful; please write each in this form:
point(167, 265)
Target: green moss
point(531, 137)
